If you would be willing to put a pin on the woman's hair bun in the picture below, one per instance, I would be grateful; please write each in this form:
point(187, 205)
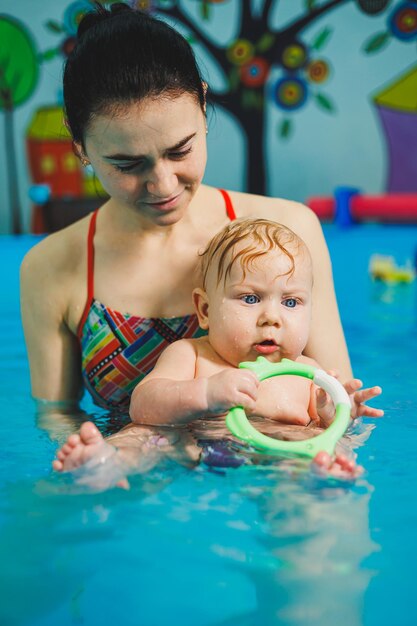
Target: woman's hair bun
point(100, 14)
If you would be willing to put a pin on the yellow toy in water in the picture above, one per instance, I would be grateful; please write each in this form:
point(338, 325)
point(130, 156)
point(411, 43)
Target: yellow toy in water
point(385, 268)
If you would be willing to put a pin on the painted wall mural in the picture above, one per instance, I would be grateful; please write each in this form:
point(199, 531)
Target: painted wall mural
point(19, 74)
point(397, 108)
point(397, 103)
point(248, 60)
point(264, 66)
point(52, 163)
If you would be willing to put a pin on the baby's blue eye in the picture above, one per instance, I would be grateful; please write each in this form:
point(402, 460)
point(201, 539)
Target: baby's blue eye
point(291, 303)
point(250, 299)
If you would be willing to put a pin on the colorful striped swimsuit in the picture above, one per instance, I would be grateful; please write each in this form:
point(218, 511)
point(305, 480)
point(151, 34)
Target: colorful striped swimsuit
point(119, 349)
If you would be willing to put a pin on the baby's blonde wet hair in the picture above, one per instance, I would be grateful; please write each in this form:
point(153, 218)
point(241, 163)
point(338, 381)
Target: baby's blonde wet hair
point(260, 235)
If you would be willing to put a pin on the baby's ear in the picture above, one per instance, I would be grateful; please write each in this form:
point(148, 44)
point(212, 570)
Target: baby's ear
point(201, 305)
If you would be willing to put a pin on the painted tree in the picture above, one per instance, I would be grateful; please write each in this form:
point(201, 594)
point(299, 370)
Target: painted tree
point(66, 28)
point(248, 60)
point(18, 79)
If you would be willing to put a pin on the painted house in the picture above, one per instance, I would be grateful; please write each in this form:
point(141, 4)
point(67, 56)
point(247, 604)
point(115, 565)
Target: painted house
point(73, 190)
point(50, 155)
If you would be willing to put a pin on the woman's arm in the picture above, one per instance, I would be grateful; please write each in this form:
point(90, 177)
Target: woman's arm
point(60, 419)
point(53, 350)
point(326, 343)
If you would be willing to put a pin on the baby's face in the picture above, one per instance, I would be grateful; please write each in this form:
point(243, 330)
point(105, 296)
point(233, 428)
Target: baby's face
point(264, 312)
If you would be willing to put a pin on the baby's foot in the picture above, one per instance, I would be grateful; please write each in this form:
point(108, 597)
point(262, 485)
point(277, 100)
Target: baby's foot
point(88, 446)
point(79, 449)
point(339, 466)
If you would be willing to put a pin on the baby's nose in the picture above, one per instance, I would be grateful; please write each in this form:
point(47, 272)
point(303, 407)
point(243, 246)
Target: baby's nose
point(270, 315)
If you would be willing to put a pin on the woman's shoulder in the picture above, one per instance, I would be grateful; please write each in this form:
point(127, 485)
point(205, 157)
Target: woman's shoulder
point(63, 244)
point(58, 254)
point(295, 215)
point(253, 205)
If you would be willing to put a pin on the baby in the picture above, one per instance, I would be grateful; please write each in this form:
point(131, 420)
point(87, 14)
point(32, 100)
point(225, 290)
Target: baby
point(255, 299)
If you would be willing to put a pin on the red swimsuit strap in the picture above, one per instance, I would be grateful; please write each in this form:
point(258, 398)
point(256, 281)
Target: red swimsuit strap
point(90, 256)
point(90, 271)
point(229, 206)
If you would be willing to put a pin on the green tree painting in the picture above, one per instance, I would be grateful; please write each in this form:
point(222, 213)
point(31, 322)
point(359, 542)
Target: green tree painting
point(19, 73)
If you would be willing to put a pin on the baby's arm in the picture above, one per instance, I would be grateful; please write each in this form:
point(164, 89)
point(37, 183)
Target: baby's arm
point(171, 394)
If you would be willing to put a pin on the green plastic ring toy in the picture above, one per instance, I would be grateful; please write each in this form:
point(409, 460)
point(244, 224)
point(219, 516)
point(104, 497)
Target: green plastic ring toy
point(240, 427)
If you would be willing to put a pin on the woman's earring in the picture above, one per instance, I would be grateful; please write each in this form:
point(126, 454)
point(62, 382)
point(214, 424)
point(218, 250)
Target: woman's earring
point(77, 150)
point(205, 88)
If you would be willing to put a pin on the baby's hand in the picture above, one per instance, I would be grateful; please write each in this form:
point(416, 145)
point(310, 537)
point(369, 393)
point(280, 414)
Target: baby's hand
point(358, 397)
point(231, 388)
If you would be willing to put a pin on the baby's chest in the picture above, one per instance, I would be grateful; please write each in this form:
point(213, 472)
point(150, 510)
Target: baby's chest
point(284, 397)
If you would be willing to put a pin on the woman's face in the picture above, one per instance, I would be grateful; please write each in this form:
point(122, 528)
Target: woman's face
point(150, 156)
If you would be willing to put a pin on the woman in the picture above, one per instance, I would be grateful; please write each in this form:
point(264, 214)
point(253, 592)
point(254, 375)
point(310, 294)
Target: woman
point(102, 298)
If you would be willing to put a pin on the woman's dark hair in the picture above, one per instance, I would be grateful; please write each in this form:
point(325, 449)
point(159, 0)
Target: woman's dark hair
point(123, 55)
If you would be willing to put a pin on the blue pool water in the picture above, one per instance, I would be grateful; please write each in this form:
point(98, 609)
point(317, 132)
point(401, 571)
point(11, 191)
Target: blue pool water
point(250, 546)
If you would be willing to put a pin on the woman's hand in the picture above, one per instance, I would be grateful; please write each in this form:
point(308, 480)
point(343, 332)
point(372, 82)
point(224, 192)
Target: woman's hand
point(230, 388)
